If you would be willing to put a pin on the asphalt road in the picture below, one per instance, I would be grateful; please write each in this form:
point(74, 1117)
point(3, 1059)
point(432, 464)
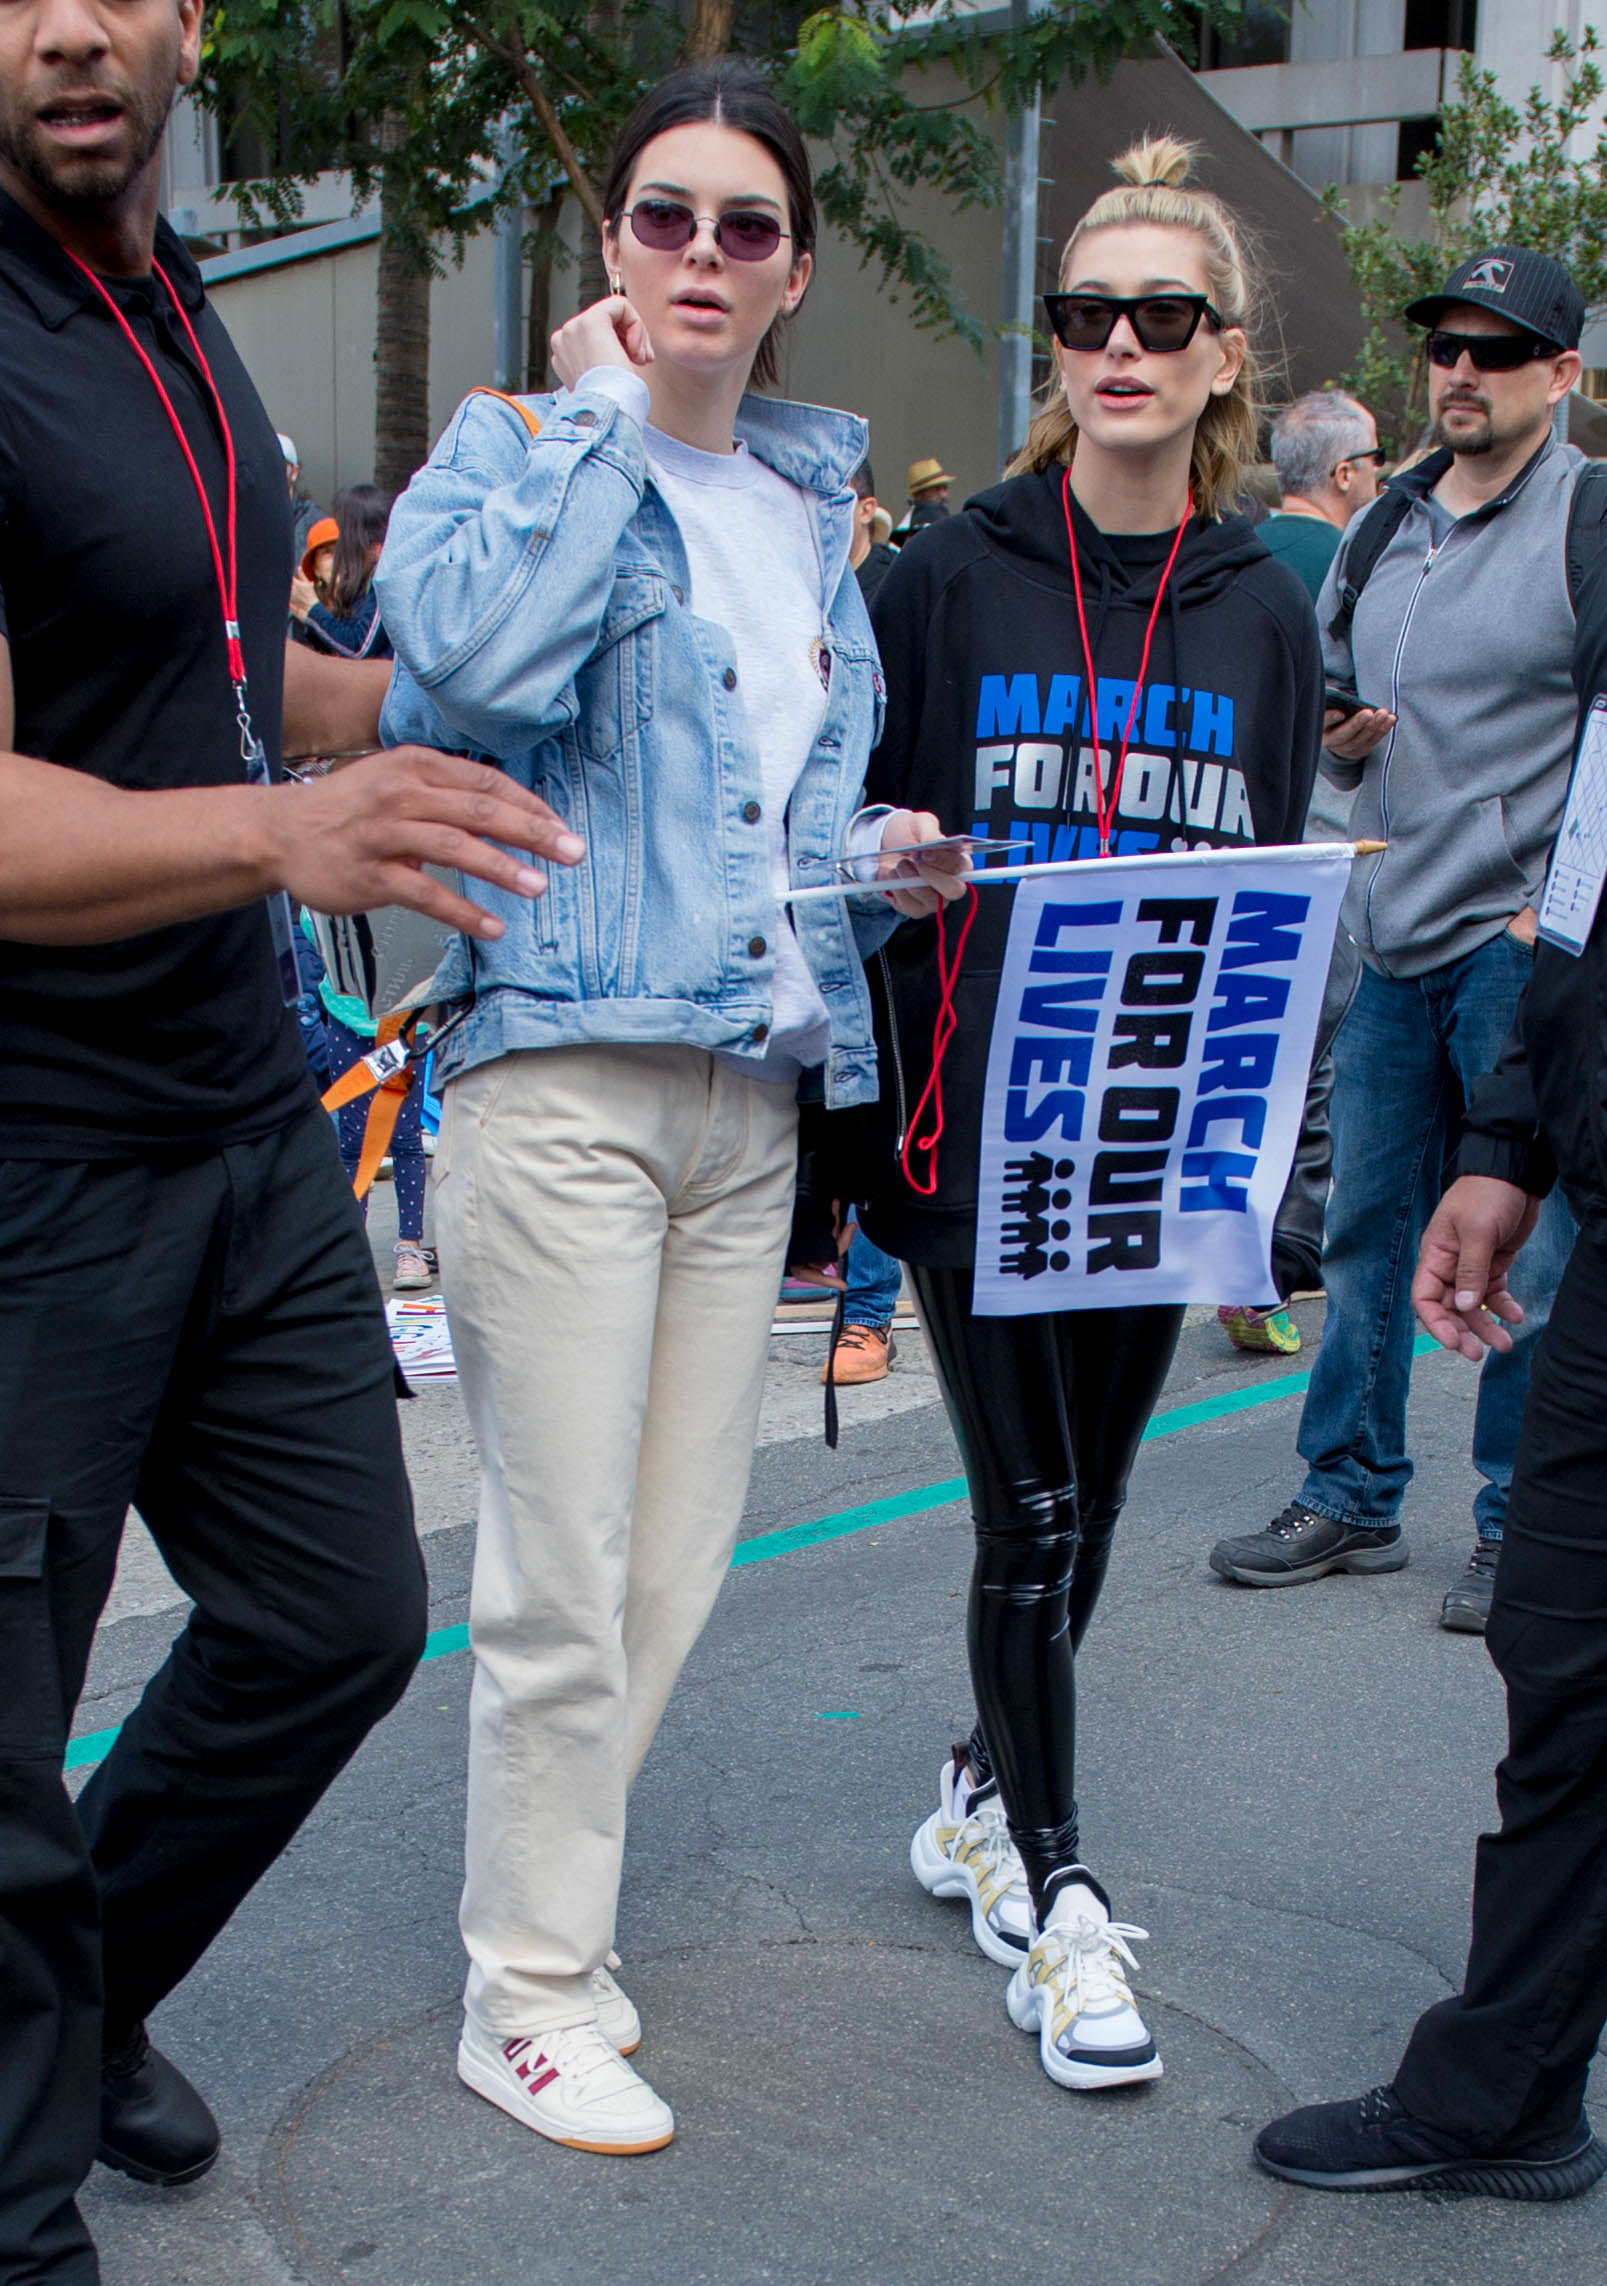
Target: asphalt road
point(1282, 1788)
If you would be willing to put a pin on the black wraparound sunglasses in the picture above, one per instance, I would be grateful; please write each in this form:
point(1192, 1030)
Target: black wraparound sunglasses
point(666, 226)
point(1160, 322)
point(1375, 453)
point(1490, 352)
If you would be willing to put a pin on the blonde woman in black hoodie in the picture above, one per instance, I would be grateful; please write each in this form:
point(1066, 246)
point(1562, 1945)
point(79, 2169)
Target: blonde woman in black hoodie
point(1112, 557)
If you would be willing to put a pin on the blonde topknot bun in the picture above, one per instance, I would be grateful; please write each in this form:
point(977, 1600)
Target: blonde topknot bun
point(1158, 159)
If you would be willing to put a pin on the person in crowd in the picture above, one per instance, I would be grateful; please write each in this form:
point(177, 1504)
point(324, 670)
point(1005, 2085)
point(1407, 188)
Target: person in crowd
point(335, 602)
point(191, 1318)
point(865, 1348)
point(928, 482)
point(310, 582)
point(1490, 2093)
point(1326, 451)
point(869, 556)
point(686, 664)
point(1123, 495)
point(1460, 752)
point(348, 1035)
point(304, 510)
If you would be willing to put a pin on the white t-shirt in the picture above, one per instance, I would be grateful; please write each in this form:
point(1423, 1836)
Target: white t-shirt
point(756, 568)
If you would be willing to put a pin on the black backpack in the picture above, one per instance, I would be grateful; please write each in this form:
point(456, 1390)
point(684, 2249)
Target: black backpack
point(1587, 522)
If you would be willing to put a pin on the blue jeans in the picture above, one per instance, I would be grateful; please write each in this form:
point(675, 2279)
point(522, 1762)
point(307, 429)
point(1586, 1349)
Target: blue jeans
point(1407, 1056)
point(874, 1279)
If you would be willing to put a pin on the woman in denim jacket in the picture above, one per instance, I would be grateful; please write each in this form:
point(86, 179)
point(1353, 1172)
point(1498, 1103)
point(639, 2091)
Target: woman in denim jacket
point(636, 596)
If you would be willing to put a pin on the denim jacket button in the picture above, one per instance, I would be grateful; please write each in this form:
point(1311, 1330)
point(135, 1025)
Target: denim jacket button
point(761, 1032)
point(585, 418)
point(757, 948)
point(752, 813)
point(729, 678)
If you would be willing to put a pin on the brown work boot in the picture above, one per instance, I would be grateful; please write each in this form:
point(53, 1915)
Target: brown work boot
point(863, 1354)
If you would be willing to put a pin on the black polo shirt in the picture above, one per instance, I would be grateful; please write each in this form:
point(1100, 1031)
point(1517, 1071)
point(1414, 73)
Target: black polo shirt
point(176, 1040)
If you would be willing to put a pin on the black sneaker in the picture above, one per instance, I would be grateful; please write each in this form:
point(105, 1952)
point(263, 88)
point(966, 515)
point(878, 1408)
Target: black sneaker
point(1375, 2145)
point(1299, 1545)
point(1467, 1603)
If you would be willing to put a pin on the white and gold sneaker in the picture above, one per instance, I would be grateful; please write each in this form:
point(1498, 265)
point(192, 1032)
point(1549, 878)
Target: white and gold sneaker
point(1072, 1990)
point(572, 2086)
point(964, 1850)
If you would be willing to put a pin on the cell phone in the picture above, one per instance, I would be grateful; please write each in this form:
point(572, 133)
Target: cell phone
point(1346, 701)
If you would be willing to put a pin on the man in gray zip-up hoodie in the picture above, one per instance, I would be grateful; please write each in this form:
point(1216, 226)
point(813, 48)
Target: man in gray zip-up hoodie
point(1461, 644)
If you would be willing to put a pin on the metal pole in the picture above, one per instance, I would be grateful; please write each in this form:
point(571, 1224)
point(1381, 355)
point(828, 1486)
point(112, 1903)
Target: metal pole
point(1020, 261)
point(507, 329)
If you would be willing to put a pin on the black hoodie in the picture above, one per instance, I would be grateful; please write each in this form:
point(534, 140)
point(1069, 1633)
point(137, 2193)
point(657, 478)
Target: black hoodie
point(987, 726)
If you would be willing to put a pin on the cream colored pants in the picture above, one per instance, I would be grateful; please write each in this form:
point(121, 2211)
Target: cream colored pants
point(612, 1224)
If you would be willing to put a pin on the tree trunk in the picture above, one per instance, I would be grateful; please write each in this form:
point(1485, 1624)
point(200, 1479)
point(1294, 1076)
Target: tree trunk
point(402, 333)
point(708, 33)
point(543, 222)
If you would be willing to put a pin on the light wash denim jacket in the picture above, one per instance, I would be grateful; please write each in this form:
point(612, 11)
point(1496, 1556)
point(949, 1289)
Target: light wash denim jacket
point(535, 590)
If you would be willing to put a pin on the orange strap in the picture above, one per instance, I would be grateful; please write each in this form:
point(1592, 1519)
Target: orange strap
point(389, 1079)
point(520, 407)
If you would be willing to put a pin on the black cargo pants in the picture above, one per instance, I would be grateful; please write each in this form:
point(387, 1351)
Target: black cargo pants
point(202, 1339)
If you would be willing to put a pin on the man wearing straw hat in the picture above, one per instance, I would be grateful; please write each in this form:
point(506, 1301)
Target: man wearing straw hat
point(928, 484)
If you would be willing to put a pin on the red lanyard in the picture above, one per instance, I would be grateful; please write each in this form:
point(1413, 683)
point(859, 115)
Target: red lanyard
point(1105, 809)
point(252, 751)
point(228, 583)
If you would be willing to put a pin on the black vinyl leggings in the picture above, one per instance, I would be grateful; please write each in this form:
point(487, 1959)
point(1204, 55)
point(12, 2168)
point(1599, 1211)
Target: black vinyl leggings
point(1048, 1412)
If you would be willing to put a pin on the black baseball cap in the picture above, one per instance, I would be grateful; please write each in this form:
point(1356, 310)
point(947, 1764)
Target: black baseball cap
point(1529, 288)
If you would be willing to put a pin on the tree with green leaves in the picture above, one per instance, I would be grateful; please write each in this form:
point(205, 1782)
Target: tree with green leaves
point(1496, 175)
point(416, 98)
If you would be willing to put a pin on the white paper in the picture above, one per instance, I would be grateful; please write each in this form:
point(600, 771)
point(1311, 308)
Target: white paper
point(1579, 860)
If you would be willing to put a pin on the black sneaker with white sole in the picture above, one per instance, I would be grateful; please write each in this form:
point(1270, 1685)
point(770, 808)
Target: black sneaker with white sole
point(1466, 1609)
point(1300, 1545)
point(1374, 2144)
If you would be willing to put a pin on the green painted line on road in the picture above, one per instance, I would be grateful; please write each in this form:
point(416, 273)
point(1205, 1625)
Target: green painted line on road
point(94, 1745)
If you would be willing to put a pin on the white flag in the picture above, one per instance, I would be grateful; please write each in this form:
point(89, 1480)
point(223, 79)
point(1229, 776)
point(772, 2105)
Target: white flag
point(1147, 1076)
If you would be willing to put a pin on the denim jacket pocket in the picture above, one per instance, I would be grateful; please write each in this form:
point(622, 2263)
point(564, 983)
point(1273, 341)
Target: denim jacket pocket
point(614, 689)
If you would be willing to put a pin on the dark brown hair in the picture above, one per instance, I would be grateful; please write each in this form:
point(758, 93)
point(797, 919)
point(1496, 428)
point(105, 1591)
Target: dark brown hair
point(726, 94)
point(361, 514)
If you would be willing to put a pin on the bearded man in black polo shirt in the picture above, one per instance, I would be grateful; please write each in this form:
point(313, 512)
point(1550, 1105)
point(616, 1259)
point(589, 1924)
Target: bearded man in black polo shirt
point(191, 1322)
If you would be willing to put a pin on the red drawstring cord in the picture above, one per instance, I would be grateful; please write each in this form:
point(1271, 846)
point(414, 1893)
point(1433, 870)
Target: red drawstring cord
point(1105, 811)
point(943, 1032)
point(228, 589)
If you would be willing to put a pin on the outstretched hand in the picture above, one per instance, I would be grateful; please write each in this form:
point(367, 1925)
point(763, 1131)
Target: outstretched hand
point(361, 836)
point(1460, 1290)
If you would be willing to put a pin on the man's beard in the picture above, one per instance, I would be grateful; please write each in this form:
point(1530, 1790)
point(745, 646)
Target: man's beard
point(1469, 445)
point(84, 185)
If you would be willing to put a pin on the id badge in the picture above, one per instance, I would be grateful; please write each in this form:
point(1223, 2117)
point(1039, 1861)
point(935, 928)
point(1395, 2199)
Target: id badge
point(1579, 860)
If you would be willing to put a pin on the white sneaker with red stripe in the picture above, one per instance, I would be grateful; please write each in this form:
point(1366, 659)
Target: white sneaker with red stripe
point(572, 2086)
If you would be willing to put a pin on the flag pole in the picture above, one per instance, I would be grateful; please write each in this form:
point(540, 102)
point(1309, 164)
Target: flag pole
point(1277, 853)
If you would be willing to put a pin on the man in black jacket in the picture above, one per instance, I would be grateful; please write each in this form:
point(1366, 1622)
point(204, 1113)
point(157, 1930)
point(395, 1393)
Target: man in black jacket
point(1490, 2093)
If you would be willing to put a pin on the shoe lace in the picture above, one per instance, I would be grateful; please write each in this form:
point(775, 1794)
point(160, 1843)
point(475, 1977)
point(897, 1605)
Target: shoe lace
point(859, 1337)
point(1084, 1964)
point(1485, 1557)
point(1289, 1521)
point(1378, 2105)
point(984, 1843)
point(585, 2056)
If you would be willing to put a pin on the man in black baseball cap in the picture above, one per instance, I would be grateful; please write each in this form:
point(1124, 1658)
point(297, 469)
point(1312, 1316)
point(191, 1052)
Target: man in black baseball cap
point(1529, 290)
